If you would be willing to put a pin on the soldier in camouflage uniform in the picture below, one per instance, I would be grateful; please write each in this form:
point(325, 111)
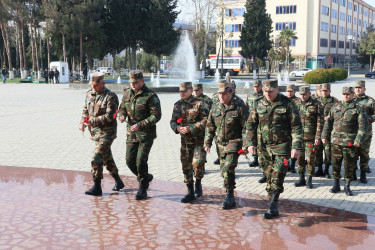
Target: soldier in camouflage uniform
point(275, 128)
point(327, 101)
point(291, 94)
point(189, 119)
point(368, 103)
point(99, 116)
point(346, 125)
point(311, 114)
point(254, 95)
point(226, 121)
point(141, 107)
point(318, 92)
point(198, 92)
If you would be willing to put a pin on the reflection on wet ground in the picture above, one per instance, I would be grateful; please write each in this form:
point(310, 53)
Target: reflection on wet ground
point(47, 209)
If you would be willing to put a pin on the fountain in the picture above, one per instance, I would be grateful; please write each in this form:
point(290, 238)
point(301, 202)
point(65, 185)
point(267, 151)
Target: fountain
point(279, 78)
point(152, 77)
point(217, 75)
point(286, 77)
point(247, 85)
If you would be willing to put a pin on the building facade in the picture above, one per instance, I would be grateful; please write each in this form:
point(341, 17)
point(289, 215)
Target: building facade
point(328, 31)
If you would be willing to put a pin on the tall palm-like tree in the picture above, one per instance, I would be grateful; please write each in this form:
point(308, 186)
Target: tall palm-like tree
point(284, 39)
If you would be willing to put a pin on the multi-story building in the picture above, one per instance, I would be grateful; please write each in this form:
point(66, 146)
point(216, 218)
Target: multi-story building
point(328, 31)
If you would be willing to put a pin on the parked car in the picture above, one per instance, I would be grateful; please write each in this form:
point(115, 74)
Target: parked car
point(370, 74)
point(105, 70)
point(299, 72)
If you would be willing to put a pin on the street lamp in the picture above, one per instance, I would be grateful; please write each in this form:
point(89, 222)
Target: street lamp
point(350, 38)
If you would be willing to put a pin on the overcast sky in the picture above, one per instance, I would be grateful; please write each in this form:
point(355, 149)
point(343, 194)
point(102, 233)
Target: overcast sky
point(372, 2)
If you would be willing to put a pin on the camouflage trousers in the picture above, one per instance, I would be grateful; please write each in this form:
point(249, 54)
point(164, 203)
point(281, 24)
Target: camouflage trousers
point(319, 149)
point(363, 153)
point(228, 164)
point(340, 153)
point(275, 171)
point(326, 148)
point(262, 166)
point(193, 156)
point(137, 158)
point(307, 157)
point(103, 156)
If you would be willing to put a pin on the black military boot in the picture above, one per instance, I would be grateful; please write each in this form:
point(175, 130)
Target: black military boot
point(363, 178)
point(336, 186)
point(217, 161)
point(347, 190)
point(319, 172)
point(118, 183)
point(198, 188)
point(263, 179)
point(301, 181)
point(255, 162)
point(142, 190)
point(326, 171)
point(229, 201)
point(293, 165)
point(273, 209)
point(309, 184)
point(368, 170)
point(190, 195)
point(96, 190)
point(150, 177)
point(355, 175)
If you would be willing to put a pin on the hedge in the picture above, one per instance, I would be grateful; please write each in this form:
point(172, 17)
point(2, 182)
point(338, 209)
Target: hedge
point(319, 76)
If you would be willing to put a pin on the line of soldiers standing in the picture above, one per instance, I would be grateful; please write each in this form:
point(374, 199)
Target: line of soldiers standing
point(271, 126)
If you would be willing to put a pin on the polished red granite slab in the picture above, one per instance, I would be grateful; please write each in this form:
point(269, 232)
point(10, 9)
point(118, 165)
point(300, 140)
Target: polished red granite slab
point(47, 209)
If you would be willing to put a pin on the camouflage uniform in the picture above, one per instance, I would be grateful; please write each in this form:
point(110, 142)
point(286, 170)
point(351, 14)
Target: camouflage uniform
point(346, 123)
point(368, 103)
point(317, 92)
point(142, 108)
point(194, 113)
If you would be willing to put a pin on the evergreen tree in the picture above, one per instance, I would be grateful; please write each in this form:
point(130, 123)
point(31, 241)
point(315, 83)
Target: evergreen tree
point(255, 35)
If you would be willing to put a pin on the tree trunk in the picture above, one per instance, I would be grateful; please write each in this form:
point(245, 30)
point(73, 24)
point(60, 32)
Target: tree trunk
point(80, 53)
point(4, 31)
point(36, 49)
point(4, 57)
point(370, 62)
point(158, 64)
point(19, 41)
point(134, 58)
point(127, 55)
point(63, 47)
point(23, 48)
point(32, 48)
point(114, 60)
point(73, 65)
point(48, 52)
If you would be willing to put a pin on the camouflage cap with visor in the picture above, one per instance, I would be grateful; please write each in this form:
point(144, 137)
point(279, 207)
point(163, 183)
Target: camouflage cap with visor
point(197, 86)
point(135, 75)
point(270, 85)
point(225, 86)
point(96, 78)
point(347, 90)
point(184, 86)
point(360, 84)
point(257, 83)
point(290, 88)
point(326, 86)
point(304, 90)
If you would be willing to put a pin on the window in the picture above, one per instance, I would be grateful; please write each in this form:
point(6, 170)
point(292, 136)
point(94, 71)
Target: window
point(284, 25)
point(355, 7)
point(333, 28)
point(342, 16)
point(349, 19)
point(333, 44)
point(277, 10)
point(288, 9)
point(323, 42)
point(343, 2)
point(341, 44)
point(334, 1)
point(348, 32)
point(347, 45)
point(350, 5)
point(365, 12)
point(365, 24)
point(334, 13)
point(354, 33)
point(354, 20)
point(325, 10)
point(292, 42)
point(359, 22)
point(360, 10)
point(323, 26)
point(341, 30)
point(228, 12)
point(232, 43)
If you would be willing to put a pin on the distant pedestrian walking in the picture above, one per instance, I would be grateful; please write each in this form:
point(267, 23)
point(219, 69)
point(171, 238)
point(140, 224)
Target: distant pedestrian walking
point(45, 75)
point(4, 74)
point(51, 75)
point(57, 74)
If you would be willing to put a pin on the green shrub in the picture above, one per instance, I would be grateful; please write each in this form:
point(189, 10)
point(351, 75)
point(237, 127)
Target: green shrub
point(320, 76)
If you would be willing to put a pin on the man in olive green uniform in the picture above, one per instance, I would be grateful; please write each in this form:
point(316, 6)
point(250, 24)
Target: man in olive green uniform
point(226, 121)
point(99, 116)
point(327, 101)
point(189, 119)
point(291, 94)
point(141, 107)
point(198, 92)
point(254, 95)
point(346, 125)
point(311, 114)
point(274, 126)
point(368, 103)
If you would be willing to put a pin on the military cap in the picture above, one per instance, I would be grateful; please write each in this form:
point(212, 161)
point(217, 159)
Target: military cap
point(197, 86)
point(270, 85)
point(290, 87)
point(326, 86)
point(360, 84)
point(96, 78)
point(318, 87)
point(225, 86)
point(184, 86)
point(135, 75)
point(304, 89)
point(347, 90)
point(257, 83)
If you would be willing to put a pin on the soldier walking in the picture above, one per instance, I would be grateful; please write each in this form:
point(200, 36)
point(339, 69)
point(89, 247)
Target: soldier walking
point(227, 121)
point(274, 126)
point(311, 114)
point(368, 103)
point(141, 107)
point(189, 119)
point(99, 116)
point(346, 125)
point(198, 92)
point(291, 94)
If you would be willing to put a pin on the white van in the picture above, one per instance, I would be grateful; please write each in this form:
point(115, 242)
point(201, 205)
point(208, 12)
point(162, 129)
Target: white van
point(105, 70)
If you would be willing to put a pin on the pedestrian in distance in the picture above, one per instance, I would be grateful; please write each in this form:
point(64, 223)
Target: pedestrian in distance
point(51, 75)
point(57, 76)
point(45, 75)
point(4, 74)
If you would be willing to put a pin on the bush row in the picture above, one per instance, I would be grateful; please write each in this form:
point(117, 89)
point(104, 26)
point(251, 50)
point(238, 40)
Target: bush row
point(319, 76)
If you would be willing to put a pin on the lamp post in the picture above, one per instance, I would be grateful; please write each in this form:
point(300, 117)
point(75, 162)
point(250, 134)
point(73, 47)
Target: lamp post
point(350, 38)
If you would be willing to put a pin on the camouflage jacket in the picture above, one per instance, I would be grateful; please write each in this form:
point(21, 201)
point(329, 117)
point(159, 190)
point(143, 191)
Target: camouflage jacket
point(100, 108)
point(315, 96)
point(227, 123)
point(194, 113)
point(252, 97)
point(345, 124)
point(215, 98)
point(311, 114)
point(275, 125)
point(294, 98)
point(327, 104)
point(142, 108)
point(368, 103)
point(206, 99)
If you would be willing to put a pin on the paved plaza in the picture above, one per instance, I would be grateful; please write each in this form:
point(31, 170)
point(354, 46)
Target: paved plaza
point(39, 129)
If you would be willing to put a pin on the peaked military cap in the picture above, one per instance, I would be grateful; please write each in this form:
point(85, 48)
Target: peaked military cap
point(326, 86)
point(225, 86)
point(96, 78)
point(290, 87)
point(185, 86)
point(135, 75)
point(360, 84)
point(257, 83)
point(304, 89)
point(347, 90)
point(197, 86)
point(270, 85)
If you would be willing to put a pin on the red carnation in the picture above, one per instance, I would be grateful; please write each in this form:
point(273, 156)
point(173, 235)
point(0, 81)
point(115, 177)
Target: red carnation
point(241, 152)
point(349, 144)
point(114, 116)
point(314, 150)
point(86, 119)
point(179, 120)
point(310, 145)
point(285, 162)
